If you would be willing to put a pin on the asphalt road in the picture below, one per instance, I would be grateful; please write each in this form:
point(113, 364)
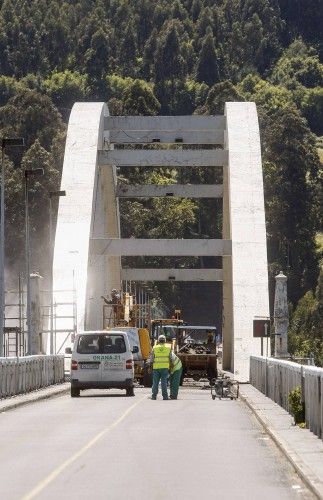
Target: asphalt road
point(104, 445)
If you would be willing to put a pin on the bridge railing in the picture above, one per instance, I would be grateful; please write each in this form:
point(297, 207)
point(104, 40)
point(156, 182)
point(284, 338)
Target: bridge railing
point(276, 378)
point(28, 373)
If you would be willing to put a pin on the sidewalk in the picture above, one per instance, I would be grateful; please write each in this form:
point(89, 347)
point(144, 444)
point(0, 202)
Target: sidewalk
point(33, 396)
point(300, 446)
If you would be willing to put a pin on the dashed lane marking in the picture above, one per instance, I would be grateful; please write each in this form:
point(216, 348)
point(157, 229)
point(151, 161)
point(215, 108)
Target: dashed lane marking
point(56, 472)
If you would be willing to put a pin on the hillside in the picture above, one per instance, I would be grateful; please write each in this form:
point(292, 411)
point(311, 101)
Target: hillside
point(169, 57)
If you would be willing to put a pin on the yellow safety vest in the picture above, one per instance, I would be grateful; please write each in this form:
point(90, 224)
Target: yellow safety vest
point(161, 356)
point(177, 365)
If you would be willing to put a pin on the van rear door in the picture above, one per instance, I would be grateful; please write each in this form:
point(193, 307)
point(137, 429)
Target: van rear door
point(88, 357)
point(115, 353)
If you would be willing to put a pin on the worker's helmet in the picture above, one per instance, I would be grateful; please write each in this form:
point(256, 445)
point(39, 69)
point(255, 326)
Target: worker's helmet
point(162, 339)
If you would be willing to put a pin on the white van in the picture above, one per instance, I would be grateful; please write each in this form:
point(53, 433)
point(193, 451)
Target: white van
point(102, 360)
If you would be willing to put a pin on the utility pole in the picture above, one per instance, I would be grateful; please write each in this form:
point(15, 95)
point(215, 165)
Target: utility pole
point(17, 141)
point(52, 194)
point(29, 173)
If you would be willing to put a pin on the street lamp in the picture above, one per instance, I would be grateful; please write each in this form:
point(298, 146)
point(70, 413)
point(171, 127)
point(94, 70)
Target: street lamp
point(52, 194)
point(29, 173)
point(16, 141)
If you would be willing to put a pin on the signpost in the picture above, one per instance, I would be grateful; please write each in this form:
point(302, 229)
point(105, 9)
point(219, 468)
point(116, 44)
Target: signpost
point(261, 329)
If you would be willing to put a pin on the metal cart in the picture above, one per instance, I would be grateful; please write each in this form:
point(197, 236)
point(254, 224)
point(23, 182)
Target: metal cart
point(224, 387)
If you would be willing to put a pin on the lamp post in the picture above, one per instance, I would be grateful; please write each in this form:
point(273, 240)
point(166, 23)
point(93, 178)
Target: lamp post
point(52, 194)
point(17, 141)
point(29, 173)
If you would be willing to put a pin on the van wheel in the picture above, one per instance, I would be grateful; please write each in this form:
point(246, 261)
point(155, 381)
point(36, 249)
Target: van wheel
point(75, 392)
point(130, 391)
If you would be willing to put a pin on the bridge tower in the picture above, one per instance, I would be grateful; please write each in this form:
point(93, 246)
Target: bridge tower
point(88, 247)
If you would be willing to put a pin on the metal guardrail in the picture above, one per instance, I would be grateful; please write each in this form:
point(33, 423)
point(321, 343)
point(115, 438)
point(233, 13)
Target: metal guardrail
point(28, 373)
point(276, 378)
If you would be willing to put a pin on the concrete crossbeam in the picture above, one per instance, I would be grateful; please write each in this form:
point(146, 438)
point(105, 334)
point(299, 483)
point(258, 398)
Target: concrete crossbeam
point(164, 158)
point(180, 190)
point(167, 137)
point(171, 274)
point(165, 247)
point(178, 123)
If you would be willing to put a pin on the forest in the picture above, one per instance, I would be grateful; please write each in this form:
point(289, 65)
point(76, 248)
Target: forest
point(174, 57)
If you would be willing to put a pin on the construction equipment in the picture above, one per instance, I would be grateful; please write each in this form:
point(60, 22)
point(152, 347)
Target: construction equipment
point(224, 387)
point(194, 345)
point(122, 313)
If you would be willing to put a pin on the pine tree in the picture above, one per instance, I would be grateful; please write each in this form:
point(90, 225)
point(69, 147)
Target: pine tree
point(207, 66)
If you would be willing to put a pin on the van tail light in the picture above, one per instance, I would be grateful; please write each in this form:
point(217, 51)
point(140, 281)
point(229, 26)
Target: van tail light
point(129, 364)
point(74, 365)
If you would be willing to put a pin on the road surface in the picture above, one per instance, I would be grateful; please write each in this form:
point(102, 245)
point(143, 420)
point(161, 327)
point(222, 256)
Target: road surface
point(104, 445)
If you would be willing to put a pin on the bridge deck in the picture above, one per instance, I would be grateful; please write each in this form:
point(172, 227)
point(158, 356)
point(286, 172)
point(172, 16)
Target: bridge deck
point(100, 446)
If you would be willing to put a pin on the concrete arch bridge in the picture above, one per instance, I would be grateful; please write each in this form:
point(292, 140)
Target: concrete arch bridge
point(88, 247)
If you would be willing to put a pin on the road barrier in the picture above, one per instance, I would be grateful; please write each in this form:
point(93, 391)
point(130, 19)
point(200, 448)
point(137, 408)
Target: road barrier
point(25, 374)
point(276, 378)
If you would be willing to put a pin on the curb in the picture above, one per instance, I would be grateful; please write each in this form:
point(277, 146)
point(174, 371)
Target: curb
point(31, 398)
point(305, 473)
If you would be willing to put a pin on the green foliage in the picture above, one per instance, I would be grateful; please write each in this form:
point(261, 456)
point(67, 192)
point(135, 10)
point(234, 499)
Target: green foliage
point(35, 157)
point(305, 334)
point(299, 65)
point(32, 116)
point(139, 99)
point(207, 67)
point(296, 405)
point(291, 169)
point(269, 97)
point(8, 88)
point(66, 87)
point(176, 57)
point(218, 95)
point(312, 109)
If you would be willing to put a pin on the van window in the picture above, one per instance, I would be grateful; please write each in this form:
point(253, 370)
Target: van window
point(88, 344)
point(101, 344)
point(113, 344)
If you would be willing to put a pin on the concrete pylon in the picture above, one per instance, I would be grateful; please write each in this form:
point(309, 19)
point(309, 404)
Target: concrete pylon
point(89, 209)
point(281, 320)
point(245, 274)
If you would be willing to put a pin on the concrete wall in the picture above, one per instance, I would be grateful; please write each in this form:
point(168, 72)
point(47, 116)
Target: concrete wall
point(245, 276)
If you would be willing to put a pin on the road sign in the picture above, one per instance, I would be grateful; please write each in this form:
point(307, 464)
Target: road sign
point(261, 327)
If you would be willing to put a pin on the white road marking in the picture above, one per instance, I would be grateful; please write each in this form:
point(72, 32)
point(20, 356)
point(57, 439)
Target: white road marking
point(56, 472)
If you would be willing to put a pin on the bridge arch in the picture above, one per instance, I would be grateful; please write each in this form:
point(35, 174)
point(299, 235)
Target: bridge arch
point(88, 247)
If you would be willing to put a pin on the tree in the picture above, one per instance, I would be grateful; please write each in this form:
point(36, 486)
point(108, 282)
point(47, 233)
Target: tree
point(65, 88)
point(312, 109)
point(306, 328)
point(35, 157)
point(218, 95)
point(128, 49)
point(139, 99)
point(299, 65)
point(149, 55)
point(169, 63)
point(207, 66)
point(32, 116)
point(97, 62)
point(8, 88)
point(264, 94)
point(291, 174)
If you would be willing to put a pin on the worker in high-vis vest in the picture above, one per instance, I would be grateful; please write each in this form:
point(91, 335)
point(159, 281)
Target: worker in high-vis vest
point(175, 375)
point(160, 358)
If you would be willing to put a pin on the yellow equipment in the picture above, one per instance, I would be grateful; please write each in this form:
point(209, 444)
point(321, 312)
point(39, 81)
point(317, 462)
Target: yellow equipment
point(194, 345)
point(123, 313)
